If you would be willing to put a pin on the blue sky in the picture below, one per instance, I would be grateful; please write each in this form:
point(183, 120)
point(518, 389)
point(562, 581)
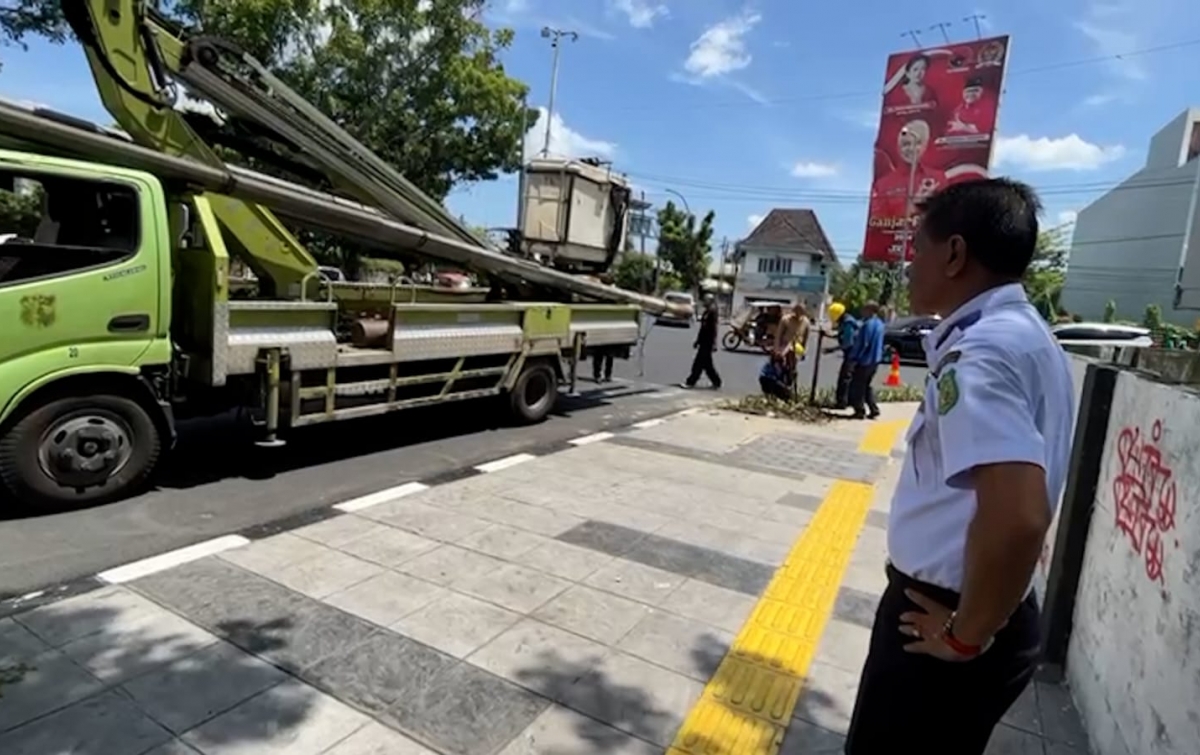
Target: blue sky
point(742, 107)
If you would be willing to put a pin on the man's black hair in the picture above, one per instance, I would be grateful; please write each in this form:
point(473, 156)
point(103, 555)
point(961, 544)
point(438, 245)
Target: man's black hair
point(974, 81)
point(996, 217)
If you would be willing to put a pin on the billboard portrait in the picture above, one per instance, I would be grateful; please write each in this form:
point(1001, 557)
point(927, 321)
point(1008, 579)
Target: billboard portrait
point(937, 128)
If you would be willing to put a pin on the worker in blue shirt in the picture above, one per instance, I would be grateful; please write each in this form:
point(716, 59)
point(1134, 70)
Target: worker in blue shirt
point(773, 379)
point(846, 329)
point(865, 356)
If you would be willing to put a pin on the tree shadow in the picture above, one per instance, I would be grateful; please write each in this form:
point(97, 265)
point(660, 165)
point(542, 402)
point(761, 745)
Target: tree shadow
point(110, 672)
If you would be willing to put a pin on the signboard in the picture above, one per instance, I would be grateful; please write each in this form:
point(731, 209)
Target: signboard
point(937, 128)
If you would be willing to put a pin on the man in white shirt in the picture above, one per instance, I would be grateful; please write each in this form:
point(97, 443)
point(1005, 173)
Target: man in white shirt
point(955, 639)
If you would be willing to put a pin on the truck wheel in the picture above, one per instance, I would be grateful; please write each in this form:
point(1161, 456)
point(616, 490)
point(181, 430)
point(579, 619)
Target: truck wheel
point(534, 394)
point(79, 451)
point(731, 340)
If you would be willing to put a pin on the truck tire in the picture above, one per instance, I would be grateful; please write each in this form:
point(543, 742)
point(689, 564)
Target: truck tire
point(79, 451)
point(534, 394)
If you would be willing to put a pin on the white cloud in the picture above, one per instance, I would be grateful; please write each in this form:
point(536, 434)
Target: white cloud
point(516, 6)
point(564, 140)
point(641, 13)
point(1069, 152)
point(808, 169)
point(753, 220)
point(721, 48)
point(1112, 28)
point(1067, 217)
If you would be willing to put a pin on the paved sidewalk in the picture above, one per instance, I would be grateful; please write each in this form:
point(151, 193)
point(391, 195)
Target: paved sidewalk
point(699, 585)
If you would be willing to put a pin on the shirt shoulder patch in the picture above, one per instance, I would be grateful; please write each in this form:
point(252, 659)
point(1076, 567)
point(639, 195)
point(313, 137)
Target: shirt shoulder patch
point(947, 391)
point(947, 360)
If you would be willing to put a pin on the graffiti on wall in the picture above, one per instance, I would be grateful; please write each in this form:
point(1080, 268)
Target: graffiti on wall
point(1144, 495)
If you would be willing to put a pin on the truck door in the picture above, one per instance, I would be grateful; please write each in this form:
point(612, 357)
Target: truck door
point(79, 276)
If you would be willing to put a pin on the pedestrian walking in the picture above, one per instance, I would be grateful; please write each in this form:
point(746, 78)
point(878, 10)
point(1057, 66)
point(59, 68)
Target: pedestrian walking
point(705, 345)
point(865, 356)
point(846, 328)
point(602, 365)
point(955, 638)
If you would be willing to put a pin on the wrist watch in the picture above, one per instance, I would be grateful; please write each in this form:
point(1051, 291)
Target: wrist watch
point(957, 645)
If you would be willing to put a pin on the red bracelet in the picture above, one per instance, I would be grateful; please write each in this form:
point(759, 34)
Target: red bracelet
point(955, 644)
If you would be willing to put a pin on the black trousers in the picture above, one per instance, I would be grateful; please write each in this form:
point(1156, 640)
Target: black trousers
point(775, 388)
point(602, 365)
point(845, 373)
point(909, 701)
point(703, 363)
point(862, 389)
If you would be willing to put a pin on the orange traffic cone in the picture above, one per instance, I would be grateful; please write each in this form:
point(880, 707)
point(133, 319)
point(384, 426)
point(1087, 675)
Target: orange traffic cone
point(893, 378)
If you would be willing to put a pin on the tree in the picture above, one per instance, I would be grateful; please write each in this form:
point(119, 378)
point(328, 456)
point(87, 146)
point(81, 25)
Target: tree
point(684, 246)
point(864, 281)
point(1110, 311)
point(1046, 274)
point(420, 83)
point(634, 272)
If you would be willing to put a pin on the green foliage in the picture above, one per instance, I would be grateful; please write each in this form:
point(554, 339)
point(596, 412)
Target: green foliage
point(802, 411)
point(1110, 311)
point(423, 87)
point(685, 246)
point(19, 213)
point(1044, 279)
point(634, 272)
point(862, 282)
point(1152, 319)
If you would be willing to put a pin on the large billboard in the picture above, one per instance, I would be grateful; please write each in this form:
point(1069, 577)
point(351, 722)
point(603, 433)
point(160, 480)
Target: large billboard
point(939, 118)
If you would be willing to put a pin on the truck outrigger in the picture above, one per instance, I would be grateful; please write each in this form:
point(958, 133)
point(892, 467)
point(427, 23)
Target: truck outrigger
point(118, 310)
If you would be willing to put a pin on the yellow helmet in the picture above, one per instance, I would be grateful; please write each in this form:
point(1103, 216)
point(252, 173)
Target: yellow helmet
point(836, 310)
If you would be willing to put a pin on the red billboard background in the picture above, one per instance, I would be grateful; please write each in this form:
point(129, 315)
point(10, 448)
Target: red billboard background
point(940, 104)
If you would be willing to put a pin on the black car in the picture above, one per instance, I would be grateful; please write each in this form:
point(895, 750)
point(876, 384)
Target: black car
point(906, 336)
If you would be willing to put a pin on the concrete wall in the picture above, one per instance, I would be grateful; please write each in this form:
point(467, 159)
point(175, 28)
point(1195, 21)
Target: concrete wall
point(1133, 662)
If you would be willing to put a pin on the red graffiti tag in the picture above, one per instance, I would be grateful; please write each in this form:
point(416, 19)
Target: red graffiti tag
point(1144, 493)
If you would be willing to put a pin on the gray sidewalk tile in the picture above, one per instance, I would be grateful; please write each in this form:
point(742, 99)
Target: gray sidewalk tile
point(386, 598)
point(40, 685)
point(18, 644)
point(377, 739)
point(670, 555)
point(724, 609)
point(338, 531)
point(855, 607)
point(641, 519)
point(502, 541)
point(560, 731)
point(427, 521)
point(379, 672)
point(636, 697)
point(1059, 717)
point(565, 560)
point(844, 645)
point(325, 574)
point(635, 581)
point(388, 546)
point(593, 613)
point(288, 719)
point(466, 711)
point(107, 724)
point(540, 657)
point(174, 747)
point(803, 501)
point(194, 689)
point(1024, 713)
point(827, 697)
point(133, 645)
point(68, 620)
point(449, 564)
point(514, 587)
point(807, 739)
point(684, 645)
point(727, 542)
point(869, 579)
point(797, 518)
point(273, 554)
point(1009, 741)
point(456, 624)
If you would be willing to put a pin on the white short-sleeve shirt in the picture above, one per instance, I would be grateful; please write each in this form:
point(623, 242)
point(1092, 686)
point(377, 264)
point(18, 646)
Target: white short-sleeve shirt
point(999, 390)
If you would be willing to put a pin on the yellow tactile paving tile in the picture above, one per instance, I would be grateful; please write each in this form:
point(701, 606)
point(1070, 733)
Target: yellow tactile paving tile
point(746, 706)
point(881, 437)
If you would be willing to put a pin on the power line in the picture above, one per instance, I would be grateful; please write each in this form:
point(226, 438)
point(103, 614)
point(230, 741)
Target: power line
point(875, 93)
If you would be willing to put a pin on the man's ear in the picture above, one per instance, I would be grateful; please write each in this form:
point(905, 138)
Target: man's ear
point(956, 256)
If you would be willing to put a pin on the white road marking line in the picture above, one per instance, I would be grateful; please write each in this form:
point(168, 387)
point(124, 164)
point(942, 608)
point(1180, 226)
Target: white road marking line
point(593, 438)
point(647, 423)
point(505, 463)
point(383, 496)
point(162, 561)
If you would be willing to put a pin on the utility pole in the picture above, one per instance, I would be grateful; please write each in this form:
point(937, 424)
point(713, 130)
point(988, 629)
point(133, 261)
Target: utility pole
point(943, 25)
point(975, 19)
point(555, 36)
point(915, 36)
point(721, 272)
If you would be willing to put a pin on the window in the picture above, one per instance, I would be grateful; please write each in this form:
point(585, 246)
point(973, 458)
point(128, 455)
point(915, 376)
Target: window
point(53, 225)
point(775, 265)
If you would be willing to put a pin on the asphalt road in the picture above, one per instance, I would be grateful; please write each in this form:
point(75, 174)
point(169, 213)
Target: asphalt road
point(667, 359)
point(216, 483)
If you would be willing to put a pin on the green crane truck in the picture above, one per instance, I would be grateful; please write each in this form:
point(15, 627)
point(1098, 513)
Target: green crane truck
point(117, 309)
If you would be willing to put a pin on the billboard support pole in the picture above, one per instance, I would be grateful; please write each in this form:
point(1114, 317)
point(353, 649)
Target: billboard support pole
point(975, 19)
point(916, 37)
point(943, 25)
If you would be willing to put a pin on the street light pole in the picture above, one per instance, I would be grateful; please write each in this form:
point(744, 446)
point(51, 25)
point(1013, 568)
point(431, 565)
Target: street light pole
point(682, 198)
point(555, 36)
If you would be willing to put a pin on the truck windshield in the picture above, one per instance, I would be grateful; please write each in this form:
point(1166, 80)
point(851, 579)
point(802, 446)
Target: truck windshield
point(56, 225)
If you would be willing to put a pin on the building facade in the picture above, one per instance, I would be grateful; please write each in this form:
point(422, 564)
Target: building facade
point(1128, 244)
point(786, 258)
